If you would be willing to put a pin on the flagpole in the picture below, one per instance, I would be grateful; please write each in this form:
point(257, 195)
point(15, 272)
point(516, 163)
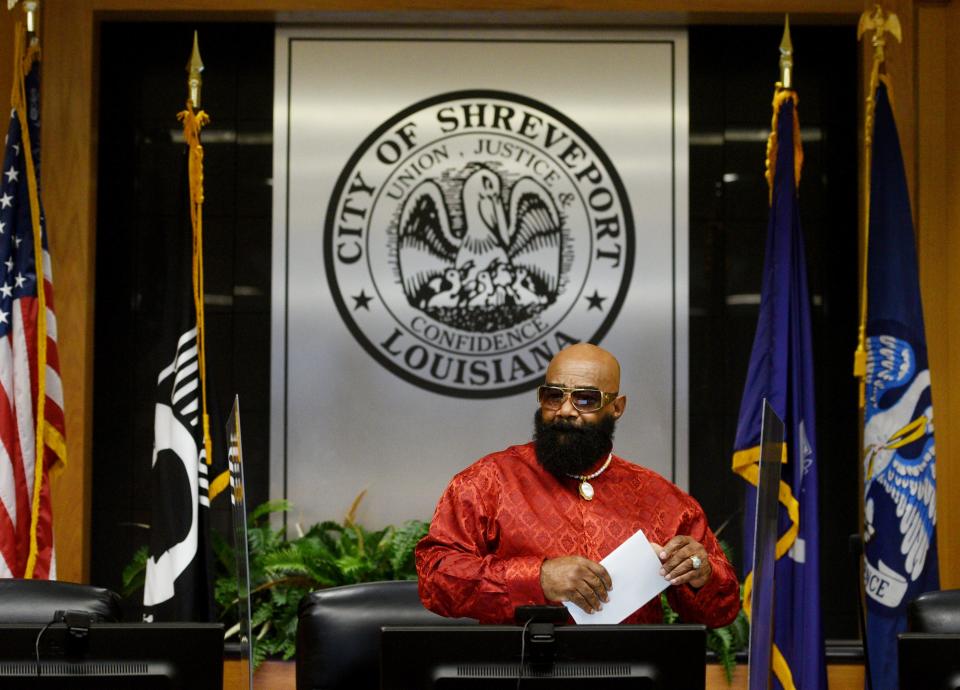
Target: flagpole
point(880, 25)
point(194, 69)
point(30, 9)
point(193, 122)
point(26, 52)
point(783, 91)
point(745, 461)
point(786, 57)
point(185, 593)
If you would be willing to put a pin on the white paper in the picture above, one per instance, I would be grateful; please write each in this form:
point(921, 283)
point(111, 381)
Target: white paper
point(635, 571)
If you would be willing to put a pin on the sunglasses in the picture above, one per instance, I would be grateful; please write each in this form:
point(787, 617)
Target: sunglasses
point(582, 399)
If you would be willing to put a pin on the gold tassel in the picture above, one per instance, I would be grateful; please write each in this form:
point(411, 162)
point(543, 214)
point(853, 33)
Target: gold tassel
point(193, 122)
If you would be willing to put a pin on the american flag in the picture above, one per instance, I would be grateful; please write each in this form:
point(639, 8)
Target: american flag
point(29, 365)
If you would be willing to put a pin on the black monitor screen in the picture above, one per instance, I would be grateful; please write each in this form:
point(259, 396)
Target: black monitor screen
point(139, 656)
point(929, 661)
point(598, 657)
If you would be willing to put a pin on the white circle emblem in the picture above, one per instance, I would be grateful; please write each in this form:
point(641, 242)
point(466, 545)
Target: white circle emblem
point(472, 236)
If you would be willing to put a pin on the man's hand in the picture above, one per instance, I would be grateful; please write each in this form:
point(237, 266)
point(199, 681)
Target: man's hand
point(576, 579)
point(677, 556)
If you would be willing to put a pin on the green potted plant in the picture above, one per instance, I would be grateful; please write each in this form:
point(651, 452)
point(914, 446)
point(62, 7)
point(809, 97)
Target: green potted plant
point(283, 570)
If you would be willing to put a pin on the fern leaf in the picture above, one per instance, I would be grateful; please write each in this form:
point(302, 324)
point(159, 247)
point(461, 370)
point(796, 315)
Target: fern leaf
point(740, 629)
point(669, 615)
point(279, 506)
point(288, 648)
point(352, 567)
point(135, 574)
point(402, 545)
point(258, 653)
point(720, 640)
point(260, 615)
point(285, 561)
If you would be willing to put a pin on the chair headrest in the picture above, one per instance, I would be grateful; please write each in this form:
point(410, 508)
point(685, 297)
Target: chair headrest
point(36, 601)
point(935, 612)
point(338, 632)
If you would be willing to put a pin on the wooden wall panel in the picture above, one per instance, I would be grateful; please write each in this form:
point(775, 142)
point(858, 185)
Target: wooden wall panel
point(69, 185)
point(7, 20)
point(901, 66)
point(932, 241)
point(70, 139)
point(936, 203)
point(939, 247)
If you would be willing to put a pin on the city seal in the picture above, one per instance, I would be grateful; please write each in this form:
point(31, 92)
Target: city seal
point(472, 236)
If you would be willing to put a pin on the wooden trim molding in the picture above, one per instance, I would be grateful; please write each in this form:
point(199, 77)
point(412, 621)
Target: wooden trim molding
point(280, 675)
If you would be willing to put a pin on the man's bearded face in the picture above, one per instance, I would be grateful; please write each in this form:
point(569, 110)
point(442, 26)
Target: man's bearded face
point(564, 447)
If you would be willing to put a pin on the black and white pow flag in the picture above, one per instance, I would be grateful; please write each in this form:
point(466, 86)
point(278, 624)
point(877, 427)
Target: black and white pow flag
point(176, 581)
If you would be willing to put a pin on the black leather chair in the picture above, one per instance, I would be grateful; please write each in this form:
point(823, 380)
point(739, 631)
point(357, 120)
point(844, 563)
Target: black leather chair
point(36, 601)
point(935, 612)
point(929, 654)
point(338, 632)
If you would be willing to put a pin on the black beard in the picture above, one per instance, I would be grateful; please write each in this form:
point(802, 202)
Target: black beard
point(563, 448)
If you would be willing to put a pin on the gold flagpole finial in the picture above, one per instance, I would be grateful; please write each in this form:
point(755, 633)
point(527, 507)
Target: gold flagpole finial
point(194, 68)
point(874, 20)
point(30, 8)
point(786, 56)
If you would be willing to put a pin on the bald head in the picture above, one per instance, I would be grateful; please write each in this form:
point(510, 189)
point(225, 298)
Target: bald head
point(584, 366)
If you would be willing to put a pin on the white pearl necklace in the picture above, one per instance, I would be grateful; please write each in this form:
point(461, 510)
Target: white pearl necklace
point(586, 488)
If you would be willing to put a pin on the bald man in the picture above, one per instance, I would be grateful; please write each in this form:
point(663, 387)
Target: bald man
point(529, 525)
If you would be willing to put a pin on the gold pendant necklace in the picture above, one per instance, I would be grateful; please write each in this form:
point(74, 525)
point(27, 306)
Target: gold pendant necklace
point(586, 488)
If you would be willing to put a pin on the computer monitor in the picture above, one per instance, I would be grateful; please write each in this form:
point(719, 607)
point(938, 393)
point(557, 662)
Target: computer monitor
point(929, 661)
point(599, 657)
point(139, 656)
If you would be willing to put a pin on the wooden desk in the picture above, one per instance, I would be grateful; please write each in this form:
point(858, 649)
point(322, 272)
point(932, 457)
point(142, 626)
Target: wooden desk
point(839, 677)
point(281, 675)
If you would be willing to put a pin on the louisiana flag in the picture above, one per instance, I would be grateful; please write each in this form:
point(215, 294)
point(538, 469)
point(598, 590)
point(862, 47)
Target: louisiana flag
point(899, 490)
point(781, 370)
point(31, 395)
point(186, 475)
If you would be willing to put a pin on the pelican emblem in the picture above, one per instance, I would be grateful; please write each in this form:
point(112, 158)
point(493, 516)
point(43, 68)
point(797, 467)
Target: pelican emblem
point(495, 254)
point(899, 448)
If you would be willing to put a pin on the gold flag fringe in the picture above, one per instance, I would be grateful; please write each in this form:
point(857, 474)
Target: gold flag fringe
point(779, 98)
point(193, 122)
point(24, 58)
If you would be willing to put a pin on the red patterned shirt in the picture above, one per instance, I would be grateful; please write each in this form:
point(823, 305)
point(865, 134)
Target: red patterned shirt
point(500, 518)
